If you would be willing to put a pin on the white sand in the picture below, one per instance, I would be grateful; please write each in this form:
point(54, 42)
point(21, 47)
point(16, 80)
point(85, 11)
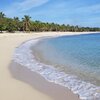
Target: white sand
point(10, 88)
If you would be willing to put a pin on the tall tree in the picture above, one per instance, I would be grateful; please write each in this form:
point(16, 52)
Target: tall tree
point(2, 15)
point(2, 21)
point(26, 23)
point(16, 23)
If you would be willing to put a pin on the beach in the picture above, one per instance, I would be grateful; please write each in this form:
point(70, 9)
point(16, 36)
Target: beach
point(18, 83)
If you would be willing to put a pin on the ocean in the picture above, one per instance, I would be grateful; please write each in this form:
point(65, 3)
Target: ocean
point(71, 61)
point(77, 55)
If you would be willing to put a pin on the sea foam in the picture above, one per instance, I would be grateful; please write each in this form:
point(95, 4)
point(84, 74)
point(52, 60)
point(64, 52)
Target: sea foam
point(24, 56)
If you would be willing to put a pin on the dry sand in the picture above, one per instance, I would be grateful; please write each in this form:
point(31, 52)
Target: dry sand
point(13, 89)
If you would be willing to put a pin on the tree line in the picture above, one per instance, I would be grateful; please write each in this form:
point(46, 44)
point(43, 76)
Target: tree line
point(27, 25)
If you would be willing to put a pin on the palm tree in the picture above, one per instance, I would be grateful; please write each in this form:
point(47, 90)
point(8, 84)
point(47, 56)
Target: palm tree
point(2, 15)
point(26, 23)
point(2, 20)
point(16, 23)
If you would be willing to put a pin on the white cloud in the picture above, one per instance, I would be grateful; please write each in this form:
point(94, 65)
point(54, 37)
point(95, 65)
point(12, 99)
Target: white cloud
point(25, 5)
point(28, 4)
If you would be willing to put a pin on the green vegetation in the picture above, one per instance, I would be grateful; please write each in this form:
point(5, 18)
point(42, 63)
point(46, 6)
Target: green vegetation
point(26, 24)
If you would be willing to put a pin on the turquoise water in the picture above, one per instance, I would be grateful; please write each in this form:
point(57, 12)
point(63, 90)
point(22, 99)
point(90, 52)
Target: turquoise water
point(70, 61)
point(77, 55)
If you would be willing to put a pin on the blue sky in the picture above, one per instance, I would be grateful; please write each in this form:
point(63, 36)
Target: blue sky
point(74, 12)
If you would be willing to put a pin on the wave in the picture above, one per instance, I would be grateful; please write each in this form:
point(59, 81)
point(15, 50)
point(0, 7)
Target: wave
point(24, 56)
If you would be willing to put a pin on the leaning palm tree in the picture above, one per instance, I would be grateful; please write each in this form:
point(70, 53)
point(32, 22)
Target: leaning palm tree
point(26, 23)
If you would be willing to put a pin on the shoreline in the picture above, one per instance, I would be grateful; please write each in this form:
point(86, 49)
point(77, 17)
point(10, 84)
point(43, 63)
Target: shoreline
point(84, 89)
point(27, 60)
point(55, 91)
point(20, 90)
